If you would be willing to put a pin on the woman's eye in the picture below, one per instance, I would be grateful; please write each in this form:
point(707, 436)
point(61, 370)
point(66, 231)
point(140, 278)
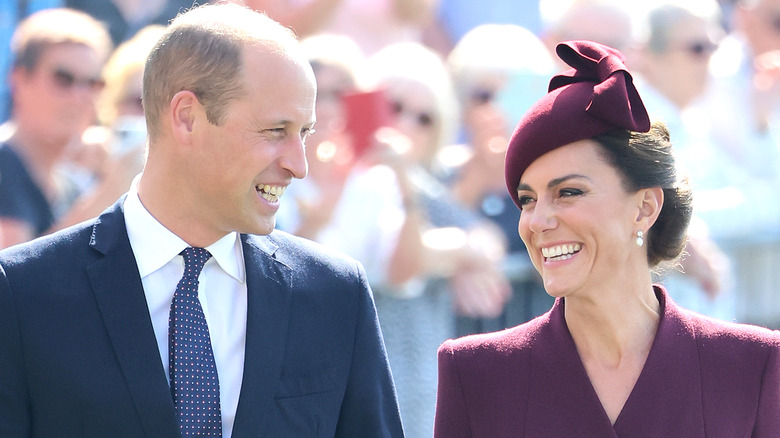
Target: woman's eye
point(565, 193)
point(525, 200)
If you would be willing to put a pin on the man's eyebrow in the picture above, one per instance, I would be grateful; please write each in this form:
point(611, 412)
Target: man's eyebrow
point(553, 182)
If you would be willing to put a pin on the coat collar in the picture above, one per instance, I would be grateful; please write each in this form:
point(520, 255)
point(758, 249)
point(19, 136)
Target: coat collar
point(669, 385)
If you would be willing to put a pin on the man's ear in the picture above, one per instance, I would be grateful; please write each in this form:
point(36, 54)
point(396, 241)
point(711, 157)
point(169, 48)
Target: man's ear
point(182, 112)
point(650, 201)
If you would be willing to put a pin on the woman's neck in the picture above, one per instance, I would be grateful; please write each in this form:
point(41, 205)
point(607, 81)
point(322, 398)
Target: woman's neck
point(615, 325)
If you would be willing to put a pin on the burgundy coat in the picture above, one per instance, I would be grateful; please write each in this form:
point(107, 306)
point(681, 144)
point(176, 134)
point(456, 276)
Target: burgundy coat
point(702, 378)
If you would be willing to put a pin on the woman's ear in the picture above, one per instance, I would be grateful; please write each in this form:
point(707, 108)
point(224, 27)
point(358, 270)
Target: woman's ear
point(650, 202)
point(182, 111)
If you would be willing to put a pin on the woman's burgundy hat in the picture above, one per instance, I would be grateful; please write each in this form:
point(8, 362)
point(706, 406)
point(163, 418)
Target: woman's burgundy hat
point(595, 96)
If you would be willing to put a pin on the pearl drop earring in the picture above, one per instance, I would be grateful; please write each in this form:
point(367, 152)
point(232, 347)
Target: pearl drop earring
point(640, 238)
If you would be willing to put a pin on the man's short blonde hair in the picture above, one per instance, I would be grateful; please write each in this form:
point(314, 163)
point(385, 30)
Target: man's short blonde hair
point(51, 27)
point(201, 51)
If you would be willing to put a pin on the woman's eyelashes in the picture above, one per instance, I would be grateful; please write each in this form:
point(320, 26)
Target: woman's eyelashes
point(525, 200)
point(569, 192)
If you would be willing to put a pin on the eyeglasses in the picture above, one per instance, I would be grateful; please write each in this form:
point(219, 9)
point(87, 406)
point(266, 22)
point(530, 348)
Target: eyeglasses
point(699, 49)
point(702, 48)
point(424, 119)
point(67, 80)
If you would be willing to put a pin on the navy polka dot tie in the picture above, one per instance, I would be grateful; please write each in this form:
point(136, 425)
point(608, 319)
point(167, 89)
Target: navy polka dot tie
point(193, 373)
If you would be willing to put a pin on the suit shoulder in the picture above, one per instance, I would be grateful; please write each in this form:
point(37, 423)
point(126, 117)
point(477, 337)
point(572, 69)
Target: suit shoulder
point(297, 251)
point(60, 244)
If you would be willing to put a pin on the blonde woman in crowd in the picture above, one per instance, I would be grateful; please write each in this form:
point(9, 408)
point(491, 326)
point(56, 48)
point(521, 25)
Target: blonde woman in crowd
point(335, 60)
point(493, 91)
point(424, 253)
point(113, 151)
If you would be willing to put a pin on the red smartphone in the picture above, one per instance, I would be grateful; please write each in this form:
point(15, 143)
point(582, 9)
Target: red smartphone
point(365, 111)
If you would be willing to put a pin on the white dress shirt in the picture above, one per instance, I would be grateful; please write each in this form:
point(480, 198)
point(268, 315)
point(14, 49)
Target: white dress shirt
point(222, 294)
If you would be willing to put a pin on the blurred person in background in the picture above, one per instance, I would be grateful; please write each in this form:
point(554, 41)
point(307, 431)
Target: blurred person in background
point(743, 105)
point(672, 73)
point(11, 13)
point(125, 18)
point(311, 201)
point(372, 24)
point(423, 252)
point(455, 18)
point(58, 57)
point(610, 22)
point(493, 91)
point(112, 151)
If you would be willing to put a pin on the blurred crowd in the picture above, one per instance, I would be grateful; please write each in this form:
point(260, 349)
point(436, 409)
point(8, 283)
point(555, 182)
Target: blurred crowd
point(416, 101)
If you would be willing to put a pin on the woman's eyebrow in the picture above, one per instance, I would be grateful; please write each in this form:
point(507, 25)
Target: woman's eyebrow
point(554, 182)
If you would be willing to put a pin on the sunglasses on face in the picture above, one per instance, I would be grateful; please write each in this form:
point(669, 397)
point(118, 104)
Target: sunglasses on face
point(701, 48)
point(67, 80)
point(481, 97)
point(697, 49)
point(423, 119)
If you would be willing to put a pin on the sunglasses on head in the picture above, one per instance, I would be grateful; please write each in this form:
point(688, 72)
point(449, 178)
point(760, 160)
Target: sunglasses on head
point(422, 118)
point(67, 80)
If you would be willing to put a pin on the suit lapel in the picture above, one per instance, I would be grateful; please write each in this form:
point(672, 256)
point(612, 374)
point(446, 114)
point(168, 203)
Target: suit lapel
point(268, 308)
point(119, 293)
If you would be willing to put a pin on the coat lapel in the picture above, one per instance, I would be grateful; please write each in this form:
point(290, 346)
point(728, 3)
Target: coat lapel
point(669, 386)
point(268, 308)
point(561, 399)
point(119, 293)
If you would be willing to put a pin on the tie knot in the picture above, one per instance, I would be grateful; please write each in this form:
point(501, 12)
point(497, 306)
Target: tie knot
point(194, 259)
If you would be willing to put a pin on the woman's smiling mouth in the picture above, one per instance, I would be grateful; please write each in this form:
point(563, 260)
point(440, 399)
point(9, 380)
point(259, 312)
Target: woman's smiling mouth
point(560, 252)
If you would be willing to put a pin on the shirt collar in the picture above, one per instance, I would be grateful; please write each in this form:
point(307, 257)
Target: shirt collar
point(154, 245)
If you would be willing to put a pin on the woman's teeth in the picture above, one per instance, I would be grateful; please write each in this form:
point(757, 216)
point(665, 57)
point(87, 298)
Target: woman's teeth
point(560, 252)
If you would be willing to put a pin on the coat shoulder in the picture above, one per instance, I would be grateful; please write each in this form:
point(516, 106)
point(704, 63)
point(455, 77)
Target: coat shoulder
point(506, 343)
point(715, 333)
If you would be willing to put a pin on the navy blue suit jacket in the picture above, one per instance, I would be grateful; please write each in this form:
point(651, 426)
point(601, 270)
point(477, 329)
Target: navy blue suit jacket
point(78, 356)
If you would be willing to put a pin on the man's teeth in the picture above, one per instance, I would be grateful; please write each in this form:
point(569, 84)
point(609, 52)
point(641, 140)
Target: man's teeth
point(269, 192)
point(560, 252)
